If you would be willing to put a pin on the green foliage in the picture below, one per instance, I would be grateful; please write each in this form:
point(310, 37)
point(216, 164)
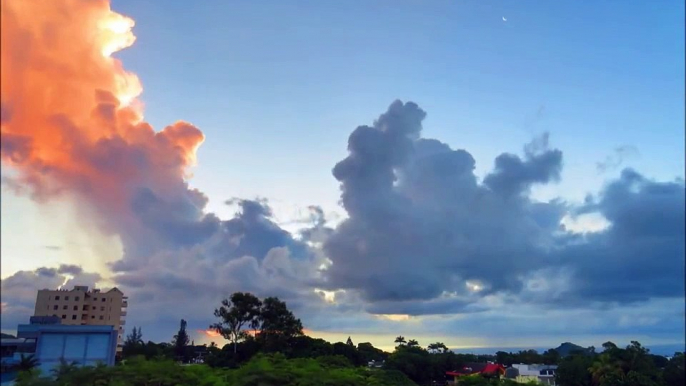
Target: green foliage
point(27, 362)
point(674, 371)
point(242, 310)
point(573, 371)
point(615, 366)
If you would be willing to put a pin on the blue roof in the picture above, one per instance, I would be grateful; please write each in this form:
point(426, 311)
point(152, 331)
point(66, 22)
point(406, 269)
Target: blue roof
point(64, 328)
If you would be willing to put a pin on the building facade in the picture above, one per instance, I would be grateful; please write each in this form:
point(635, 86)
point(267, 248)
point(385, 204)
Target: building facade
point(542, 374)
point(50, 344)
point(84, 307)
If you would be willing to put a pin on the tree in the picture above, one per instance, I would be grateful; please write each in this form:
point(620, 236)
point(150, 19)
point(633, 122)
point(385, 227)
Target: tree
point(181, 341)
point(605, 371)
point(349, 342)
point(243, 310)
point(277, 324)
point(551, 357)
point(412, 343)
point(64, 369)
point(133, 345)
point(27, 362)
point(437, 347)
point(400, 340)
point(573, 371)
point(675, 371)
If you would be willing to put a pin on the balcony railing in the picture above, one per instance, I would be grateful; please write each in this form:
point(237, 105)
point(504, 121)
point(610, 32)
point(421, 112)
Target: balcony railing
point(123, 313)
point(124, 304)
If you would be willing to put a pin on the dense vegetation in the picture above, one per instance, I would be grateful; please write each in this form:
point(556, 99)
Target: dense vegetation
point(262, 370)
point(630, 366)
point(277, 353)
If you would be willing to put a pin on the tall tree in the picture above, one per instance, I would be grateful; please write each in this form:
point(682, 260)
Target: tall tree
point(349, 342)
point(242, 310)
point(277, 323)
point(412, 343)
point(181, 340)
point(400, 340)
point(437, 347)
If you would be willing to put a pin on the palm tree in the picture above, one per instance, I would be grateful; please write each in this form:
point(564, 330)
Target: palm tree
point(437, 347)
point(412, 343)
point(400, 340)
point(603, 369)
point(64, 368)
point(27, 363)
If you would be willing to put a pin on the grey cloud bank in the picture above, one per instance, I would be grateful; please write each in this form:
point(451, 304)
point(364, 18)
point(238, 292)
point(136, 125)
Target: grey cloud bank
point(423, 236)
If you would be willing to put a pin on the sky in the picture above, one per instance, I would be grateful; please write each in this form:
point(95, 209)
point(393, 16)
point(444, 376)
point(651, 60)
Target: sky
point(485, 174)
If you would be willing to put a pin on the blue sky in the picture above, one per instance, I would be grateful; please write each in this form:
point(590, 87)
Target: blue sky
point(277, 88)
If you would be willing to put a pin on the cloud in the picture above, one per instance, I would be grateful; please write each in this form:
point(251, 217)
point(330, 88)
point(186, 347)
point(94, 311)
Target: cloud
point(420, 225)
point(423, 234)
point(619, 156)
point(419, 222)
point(19, 290)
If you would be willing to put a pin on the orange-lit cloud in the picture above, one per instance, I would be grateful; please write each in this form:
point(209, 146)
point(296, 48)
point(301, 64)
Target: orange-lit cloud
point(72, 124)
point(210, 333)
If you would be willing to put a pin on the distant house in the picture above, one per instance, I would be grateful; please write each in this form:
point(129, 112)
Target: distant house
point(375, 364)
point(543, 374)
point(487, 369)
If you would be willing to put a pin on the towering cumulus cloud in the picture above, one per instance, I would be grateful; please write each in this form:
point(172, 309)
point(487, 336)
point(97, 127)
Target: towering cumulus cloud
point(425, 236)
point(72, 125)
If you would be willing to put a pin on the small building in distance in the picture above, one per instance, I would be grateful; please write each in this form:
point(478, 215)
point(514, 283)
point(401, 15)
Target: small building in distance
point(542, 374)
point(486, 369)
point(84, 307)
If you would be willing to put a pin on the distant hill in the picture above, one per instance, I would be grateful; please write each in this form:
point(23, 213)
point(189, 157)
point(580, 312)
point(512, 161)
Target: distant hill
point(8, 336)
point(567, 348)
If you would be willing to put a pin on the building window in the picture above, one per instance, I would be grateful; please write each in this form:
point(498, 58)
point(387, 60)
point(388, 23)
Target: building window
point(76, 308)
point(73, 317)
point(92, 316)
point(101, 317)
point(95, 299)
point(64, 316)
point(48, 307)
point(102, 308)
point(64, 307)
point(66, 298)
point(57, 298)
point(85, 307)
point(54, 307)
point(77, 298)
point(103, 300)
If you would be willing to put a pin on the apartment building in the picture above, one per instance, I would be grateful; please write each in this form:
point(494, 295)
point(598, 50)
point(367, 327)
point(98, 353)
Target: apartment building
point(81, 306)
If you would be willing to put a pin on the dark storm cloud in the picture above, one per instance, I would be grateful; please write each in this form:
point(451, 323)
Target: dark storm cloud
point(179, 223)
point(421, 226)
point(641, 255)
point(253, 233)
point(513, 176)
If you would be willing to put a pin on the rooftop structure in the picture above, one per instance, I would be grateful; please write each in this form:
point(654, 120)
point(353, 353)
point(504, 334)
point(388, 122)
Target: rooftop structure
point(84, 307)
